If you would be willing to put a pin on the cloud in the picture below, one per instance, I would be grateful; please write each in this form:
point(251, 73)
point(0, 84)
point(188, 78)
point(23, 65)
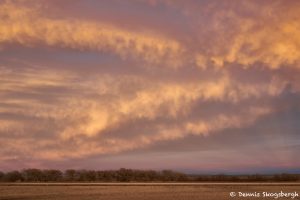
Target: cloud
point(263, 36)
point(244, 33)
point(27, 26)
point(77, 86)
point(100, 107)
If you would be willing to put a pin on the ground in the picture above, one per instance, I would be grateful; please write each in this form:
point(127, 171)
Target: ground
point(204, 191)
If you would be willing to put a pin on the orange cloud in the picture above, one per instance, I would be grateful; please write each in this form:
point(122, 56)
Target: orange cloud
point(27, 26)
point(79, 118)
point(262, 38)
point(76, 115)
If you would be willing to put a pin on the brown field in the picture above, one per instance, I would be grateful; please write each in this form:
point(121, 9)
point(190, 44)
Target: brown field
point(140, 191)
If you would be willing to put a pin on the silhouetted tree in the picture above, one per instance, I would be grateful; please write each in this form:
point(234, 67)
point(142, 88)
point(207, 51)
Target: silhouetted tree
point(285, 177)
point(82, 175)
point(1, 176)
point(70, 175)
point(91, 175)
point(130, 175)
point(125, 175)
point(105, 176)
point(13, 176)
point(256, 177)
point(33, 175)
point(52, 175)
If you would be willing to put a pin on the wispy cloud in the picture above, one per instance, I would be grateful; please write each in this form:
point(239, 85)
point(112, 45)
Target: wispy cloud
point(74, 87)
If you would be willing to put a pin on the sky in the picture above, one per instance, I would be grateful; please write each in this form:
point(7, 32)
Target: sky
point(199, 86)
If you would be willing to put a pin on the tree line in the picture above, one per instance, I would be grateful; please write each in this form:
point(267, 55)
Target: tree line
point(131, 175)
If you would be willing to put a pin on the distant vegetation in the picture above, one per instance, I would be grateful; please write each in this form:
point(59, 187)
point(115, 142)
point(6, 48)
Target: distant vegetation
point(130, 175)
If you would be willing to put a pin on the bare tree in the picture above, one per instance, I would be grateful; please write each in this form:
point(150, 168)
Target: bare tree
point(13, 176)
point(52, 175)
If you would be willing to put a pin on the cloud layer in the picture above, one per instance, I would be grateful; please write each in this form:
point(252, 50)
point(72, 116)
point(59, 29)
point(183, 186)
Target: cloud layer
point(90, 84)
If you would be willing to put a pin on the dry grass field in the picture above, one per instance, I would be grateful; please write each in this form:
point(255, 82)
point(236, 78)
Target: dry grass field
point(138, 191)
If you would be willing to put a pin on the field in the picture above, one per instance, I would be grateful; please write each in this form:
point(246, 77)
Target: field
point(206, 191)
